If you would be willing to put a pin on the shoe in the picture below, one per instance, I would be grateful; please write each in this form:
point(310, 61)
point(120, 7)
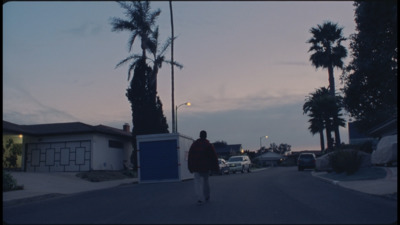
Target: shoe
point(207, 199)
point(199, 202)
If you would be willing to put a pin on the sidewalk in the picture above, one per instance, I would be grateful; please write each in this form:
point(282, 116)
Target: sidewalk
point(385, 187)
point(40, 184)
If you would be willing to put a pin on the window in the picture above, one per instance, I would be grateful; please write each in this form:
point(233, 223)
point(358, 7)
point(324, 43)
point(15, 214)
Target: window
point(115, 144)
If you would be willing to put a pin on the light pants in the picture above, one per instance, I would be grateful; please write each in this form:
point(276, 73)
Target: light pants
point(201, 186)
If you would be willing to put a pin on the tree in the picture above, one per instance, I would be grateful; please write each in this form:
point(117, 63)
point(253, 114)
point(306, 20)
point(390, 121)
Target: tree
point(328, 53)
point(284, 148)
point(324, 111)
point(317, 126)
point(10, 153)
point(146, 106)
point(370, 91)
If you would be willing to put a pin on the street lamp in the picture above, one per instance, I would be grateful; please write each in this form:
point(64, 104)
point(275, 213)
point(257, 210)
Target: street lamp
point(262, 138)
point(176, 114)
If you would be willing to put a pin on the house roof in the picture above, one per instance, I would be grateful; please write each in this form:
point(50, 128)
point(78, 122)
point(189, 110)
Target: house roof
point(387, 127)
point(61, 128)
point(13, 128)
point(228, 148)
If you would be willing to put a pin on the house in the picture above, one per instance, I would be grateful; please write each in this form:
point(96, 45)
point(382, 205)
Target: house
point(356, 137)
point(388, 127)
point(226, 151)
point(269, 158)
point(69, 147)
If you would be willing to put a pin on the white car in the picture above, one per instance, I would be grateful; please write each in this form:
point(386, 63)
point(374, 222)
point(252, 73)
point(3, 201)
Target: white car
point(239, 163)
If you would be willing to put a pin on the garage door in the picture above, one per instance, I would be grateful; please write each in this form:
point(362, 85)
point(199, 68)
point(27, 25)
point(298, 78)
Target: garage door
point(158, 160)
point(70, 156)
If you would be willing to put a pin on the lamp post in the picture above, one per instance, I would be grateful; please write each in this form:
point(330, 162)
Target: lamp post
point(176, 114)
point(262, 138)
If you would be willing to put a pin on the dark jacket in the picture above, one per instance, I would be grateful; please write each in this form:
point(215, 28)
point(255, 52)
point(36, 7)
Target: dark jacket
point(202, 157)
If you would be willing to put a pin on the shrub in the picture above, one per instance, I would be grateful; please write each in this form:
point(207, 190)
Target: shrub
point(367, 147)
point(9, 183)
point(345, 161)
point(130, 173)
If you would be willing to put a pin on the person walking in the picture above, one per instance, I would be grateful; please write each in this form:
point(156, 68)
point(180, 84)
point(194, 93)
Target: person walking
point(201, 160)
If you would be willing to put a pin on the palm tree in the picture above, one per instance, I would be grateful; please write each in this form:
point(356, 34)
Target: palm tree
point(317, 126)
point(328, 53)
point(147, 115)
point(159, 58)
point(140, 23)
point(324, 112)
point(317, 122)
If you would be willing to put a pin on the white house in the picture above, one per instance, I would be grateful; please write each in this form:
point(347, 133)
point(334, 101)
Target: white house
point(70, 147)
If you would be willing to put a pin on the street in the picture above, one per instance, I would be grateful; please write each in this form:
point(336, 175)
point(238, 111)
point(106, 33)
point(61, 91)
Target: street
point(272, 196)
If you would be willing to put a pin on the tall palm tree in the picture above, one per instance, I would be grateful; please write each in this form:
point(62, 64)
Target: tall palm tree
point(140, 23)
point(147, 115)
point(328, 53)
point(159, 58)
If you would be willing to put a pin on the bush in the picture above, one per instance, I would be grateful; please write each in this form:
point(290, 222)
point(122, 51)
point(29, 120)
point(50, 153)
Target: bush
point(130, 173)
point(345, 161)
point(9, 183)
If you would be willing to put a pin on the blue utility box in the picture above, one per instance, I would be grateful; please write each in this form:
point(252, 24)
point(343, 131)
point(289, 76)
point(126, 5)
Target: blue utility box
point(163, 157)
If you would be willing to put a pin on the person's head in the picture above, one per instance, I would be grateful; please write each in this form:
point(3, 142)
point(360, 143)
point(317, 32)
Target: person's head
point(203, 134)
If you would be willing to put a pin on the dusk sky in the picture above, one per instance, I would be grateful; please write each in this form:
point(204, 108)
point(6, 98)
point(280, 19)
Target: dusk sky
point(246, 66)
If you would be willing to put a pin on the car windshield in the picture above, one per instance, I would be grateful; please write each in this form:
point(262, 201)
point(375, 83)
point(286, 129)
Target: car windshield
point(235, 159)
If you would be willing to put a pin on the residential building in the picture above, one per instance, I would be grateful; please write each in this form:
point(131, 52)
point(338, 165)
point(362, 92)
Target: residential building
point(69, 147)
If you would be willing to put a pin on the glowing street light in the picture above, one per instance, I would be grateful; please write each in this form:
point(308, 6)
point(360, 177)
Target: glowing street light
point(176, 114)
point(261, 139)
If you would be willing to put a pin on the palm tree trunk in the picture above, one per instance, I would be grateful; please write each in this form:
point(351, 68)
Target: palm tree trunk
point(172, 68)
point(332, 93)
point(331, 81)
point(337, 135)
point(321, 139)
point(328, 135)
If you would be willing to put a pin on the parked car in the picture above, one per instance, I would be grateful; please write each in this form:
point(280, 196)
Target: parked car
point(239, 163)
point(306, 160)
point(223, 167)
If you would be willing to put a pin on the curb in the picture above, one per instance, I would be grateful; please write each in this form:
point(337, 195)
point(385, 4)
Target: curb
point(335, 182)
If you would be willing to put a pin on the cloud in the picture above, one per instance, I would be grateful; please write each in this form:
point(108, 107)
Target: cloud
point(223, 103)
point(293, 63)
point(86, 29)
point(20, 107)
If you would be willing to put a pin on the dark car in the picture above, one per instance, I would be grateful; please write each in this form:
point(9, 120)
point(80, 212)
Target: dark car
point(306, 161)
point(223, 167)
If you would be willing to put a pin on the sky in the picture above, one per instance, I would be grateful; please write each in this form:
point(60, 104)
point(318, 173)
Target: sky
point(246, 66)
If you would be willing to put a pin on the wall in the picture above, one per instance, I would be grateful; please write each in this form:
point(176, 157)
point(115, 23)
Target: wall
point(109, 158)
point(62, 153)
point(76, 152)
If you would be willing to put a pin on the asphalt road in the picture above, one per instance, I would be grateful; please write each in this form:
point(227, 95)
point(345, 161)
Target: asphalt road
point(273, 196)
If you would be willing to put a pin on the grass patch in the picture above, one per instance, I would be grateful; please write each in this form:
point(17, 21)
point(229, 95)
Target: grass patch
point(101, 175)
point(369, 173)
